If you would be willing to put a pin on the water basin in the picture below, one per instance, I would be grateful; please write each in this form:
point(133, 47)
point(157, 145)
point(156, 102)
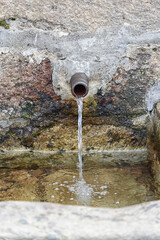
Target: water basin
point(110, 179)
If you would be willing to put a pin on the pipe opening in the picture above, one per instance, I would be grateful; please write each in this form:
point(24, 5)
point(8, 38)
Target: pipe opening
point(79, 85)
point(80, 90)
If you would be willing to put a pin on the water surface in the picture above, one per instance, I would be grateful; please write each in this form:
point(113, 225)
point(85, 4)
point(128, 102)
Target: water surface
point(103, 185)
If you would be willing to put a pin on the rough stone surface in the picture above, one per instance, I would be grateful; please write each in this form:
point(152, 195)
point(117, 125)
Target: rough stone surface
point(32, 113)
point(81, 16)
point(44, 159)
point(153, 143)
point(42, 45)
point(63, 136)
point(26, 220)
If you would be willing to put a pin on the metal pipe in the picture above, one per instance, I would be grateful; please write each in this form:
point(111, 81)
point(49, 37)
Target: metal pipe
point(79, 84)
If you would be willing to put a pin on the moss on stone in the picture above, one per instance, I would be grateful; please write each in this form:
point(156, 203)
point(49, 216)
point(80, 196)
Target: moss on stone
point(2, 23)
point(6, 27)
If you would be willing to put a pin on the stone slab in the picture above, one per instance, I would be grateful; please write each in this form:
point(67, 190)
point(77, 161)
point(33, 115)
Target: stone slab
point(80, 16)
point(46, 221)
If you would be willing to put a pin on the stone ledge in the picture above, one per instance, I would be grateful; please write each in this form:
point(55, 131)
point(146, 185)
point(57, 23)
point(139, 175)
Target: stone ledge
point(42, 159)
point(29, 220)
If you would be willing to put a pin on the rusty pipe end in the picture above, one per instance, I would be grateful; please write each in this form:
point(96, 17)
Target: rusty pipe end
point(79, 85)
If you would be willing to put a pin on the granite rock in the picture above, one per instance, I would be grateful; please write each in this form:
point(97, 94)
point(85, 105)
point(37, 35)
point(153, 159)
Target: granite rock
point(153, 143)
point(82, 16)
point(26, 220)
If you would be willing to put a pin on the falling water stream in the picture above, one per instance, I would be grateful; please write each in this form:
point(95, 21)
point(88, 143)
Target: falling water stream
point(82, 190)
point(80, 109)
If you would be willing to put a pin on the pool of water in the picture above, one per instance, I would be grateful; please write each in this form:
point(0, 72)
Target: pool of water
point(55, 178)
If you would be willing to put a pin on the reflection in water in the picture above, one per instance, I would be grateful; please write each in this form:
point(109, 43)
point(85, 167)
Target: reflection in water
point(113, 187)
point(100, 187)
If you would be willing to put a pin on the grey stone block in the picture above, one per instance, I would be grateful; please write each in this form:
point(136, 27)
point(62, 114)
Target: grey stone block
point(43, 221)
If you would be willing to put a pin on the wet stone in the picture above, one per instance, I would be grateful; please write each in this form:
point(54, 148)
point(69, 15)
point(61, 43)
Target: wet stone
point(43, 159)
point(153, 144)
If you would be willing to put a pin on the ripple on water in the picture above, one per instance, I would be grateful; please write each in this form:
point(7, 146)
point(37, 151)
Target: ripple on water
point(83, 191)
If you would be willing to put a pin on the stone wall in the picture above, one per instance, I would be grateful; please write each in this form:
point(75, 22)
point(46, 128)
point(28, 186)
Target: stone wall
point(43, 43)
point(154, 145)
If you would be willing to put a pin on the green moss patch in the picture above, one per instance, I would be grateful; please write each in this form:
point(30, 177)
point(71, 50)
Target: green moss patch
point(4, 24)
point(6, 27)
